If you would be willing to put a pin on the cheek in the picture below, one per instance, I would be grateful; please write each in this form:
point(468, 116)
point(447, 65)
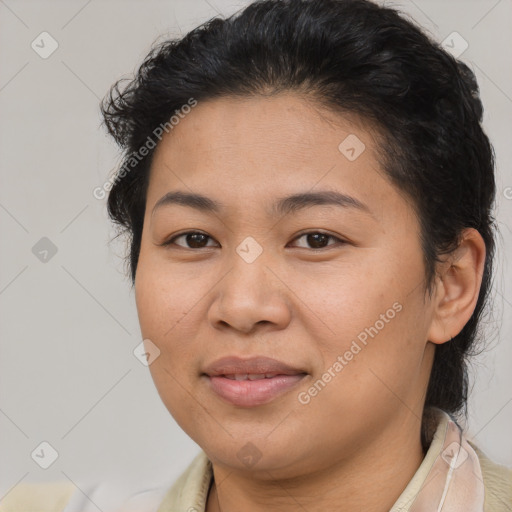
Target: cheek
point(373, 313)
point(163, 298)
point(165, 318)
point(349, 297)
point(170, 313)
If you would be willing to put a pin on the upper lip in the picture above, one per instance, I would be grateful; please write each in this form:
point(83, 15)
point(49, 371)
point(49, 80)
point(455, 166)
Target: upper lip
point(254, 365)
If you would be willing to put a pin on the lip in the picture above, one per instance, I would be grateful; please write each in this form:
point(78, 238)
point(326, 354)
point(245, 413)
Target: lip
point(258, 365)
point(251, 393)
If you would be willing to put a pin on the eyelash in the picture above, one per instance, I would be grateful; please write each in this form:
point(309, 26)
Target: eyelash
point(171, 241)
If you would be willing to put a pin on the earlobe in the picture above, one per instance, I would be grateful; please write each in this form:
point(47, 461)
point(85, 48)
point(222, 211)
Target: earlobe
point(457, 287)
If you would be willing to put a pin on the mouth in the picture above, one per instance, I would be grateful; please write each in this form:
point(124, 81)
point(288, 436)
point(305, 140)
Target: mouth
point(251, 382)
point(250, 376)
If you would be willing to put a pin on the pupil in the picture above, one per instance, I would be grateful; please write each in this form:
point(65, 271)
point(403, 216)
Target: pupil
point(191, 239)
point(314, 237)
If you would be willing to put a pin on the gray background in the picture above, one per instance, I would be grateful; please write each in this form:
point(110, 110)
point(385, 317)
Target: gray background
point(69, 326)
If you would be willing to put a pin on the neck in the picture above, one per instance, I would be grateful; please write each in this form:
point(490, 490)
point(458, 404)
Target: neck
point(372, 480)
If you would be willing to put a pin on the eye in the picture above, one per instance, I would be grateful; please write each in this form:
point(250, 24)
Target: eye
point(195, 239)
point(318, 239)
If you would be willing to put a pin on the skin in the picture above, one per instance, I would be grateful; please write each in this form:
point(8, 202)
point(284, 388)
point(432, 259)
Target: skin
point(357, 442)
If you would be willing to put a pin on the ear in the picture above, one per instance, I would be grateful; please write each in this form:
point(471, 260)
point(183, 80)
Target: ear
point(458, 282)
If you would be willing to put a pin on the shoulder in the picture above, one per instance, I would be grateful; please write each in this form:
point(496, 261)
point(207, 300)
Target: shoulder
point(28, 497)
point(64, 496)
point(190, 490)
point(497, 483)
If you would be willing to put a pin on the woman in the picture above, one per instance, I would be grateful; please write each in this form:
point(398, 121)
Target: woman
point(308, 193)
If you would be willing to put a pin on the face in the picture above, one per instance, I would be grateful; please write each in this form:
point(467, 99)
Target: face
point(330, 290)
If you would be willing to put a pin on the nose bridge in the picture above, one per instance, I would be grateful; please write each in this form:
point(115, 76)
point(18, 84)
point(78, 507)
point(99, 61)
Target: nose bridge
point(249, 261)
point(250, 250)
point(249, 293)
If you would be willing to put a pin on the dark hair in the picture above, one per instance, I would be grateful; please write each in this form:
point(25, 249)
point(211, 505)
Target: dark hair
point(354, 57)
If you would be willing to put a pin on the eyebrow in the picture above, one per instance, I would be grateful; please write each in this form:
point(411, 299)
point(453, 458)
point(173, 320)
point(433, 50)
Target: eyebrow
point(282, 206)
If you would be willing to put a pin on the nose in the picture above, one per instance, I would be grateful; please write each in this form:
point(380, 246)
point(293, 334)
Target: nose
point(251, 296)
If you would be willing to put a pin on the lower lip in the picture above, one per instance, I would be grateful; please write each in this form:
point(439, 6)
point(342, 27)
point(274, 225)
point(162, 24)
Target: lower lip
point(250, 393)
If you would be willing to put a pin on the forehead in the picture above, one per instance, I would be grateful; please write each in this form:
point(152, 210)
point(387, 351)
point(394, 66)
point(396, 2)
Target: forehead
point(243, 149)
point(286, 122)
